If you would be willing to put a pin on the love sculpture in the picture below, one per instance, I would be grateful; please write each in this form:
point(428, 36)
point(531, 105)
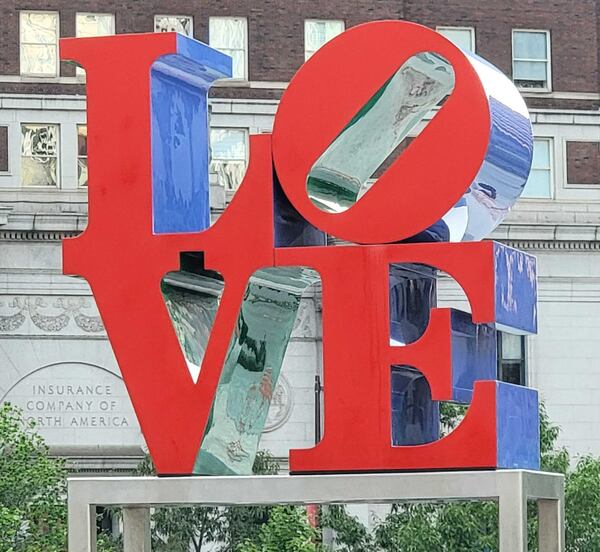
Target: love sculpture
point(199, 316)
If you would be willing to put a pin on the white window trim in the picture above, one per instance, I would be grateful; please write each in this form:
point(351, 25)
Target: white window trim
point(459, 28)
point(246, 69)
point(551, 146)
point(228, 192)
point(573, 185)
point(246, 132)
point(548, 87)
point(78, 157)
point(112, 19)
point(9, 129)
point(313, 20)
point(38, 75)
point(58, 156)
point(190, 17)
point(80, 72)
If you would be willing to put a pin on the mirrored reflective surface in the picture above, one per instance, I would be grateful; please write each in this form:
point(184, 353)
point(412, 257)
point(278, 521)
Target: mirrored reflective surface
point(371, 141)
point(337, 177)
point(253, 362)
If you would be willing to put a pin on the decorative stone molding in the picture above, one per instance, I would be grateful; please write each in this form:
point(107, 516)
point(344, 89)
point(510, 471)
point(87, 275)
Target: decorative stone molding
point(545, 245)
point(12, 322)
point(35, 235)
point(4, 212)
point(49, 315)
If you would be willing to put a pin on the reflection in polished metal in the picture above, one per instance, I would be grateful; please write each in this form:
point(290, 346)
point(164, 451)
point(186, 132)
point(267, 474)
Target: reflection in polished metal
point(253, 362)
point(480, 133)
point(411, 96)
point(230, 36)
point(179, 24)
point(335, 180)
point(39, 154)
point(228, 156)
point(415, 417)
point(511, 488)
point(39, 36)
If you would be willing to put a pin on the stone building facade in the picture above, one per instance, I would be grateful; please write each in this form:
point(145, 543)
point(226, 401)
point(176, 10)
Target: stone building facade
point(55, 360)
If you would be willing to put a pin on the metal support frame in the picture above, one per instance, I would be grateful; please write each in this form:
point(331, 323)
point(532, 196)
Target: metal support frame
point(511, 488)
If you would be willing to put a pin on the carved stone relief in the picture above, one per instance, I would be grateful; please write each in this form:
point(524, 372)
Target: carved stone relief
point(49, 314)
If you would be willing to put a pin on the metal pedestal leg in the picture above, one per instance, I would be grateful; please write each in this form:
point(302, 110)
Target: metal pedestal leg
point(136, 529)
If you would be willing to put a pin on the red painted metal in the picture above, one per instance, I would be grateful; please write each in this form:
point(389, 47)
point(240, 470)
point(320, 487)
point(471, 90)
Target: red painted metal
point(357, 358)
point(450, 149)
point(124, 262)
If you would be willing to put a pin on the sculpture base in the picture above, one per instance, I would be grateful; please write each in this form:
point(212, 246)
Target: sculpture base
point(511, 488)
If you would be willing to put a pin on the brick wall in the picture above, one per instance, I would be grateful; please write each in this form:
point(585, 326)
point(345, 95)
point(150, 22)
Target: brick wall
point(583, 163)
point(276, 30)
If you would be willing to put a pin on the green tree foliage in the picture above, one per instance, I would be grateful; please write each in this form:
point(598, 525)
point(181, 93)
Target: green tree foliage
point(473, 526)
point(32, 489)
point(582, 506)
point(33, 509)
point(178, 529)
point(287, 530)
point(350, 534)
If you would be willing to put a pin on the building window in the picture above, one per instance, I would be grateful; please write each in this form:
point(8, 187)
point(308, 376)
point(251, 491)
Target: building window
point(93, 24)
point(531, 59)
point(4, 167)
point(228, 155)
point(182, 24)
point(230, 36)
point(39, 44)
point(511, 358)
point(39, 154)
point(539, 183)
point(318, 32)
point(82, 164)
point(463, 37)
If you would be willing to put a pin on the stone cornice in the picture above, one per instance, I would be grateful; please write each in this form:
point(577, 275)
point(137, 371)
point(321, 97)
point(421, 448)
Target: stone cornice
point(36, 235)
point(556, 245)
point(535, 238)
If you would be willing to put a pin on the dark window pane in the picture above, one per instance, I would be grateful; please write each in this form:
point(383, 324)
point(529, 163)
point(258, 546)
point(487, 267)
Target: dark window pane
point(82, 140)
point(3, 148)
point(511, 372)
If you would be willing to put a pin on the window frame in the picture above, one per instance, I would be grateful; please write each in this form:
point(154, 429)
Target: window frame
point(459, 28)
point(58, 157)
point(548, 60)
point(78, 156)
point(551, 169)
point(315, 20)
point(573, 185)
point(112, 18)
point(190, 17)
point(9, 161)
point(80, 71)
point(523, 373)
point(54, 75)
point(246, 133)
point(245, 77)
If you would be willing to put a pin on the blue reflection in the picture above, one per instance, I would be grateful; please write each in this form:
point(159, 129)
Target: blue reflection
point(516, 290)
point(504, 171)
point(179, 86)
point(517, 427)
